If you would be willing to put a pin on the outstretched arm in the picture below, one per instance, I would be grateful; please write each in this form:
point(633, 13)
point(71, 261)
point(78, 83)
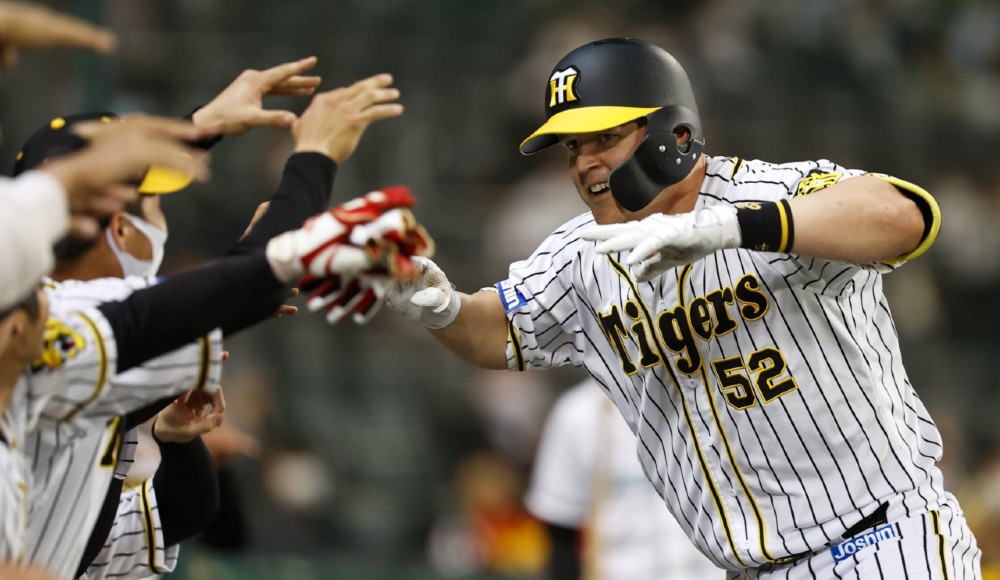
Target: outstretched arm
point(472, 326)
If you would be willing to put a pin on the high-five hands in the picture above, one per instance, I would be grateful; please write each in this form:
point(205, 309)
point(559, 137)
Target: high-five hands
point(348, 256)
point(661, 242)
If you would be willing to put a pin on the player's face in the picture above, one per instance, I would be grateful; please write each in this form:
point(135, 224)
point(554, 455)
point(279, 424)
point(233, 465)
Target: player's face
point(592, 158)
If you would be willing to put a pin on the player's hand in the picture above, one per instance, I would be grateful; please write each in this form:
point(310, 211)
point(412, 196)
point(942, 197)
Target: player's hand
point(194, 413)
point(239, 107)
point(119, 152)
point(661, 241)
point(287, 309)
point(428, 299)
point(359, 297)
point(19, 571)
point(335, 120)
point(227, 442)
point(32, 26)
point(322, 247)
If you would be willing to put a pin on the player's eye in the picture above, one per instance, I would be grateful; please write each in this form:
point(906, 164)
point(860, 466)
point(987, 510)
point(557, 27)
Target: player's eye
point(570, 144)
point(605, 138)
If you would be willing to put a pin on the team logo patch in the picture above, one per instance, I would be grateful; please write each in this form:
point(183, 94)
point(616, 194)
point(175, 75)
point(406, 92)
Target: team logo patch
point(562, 86)
point(854, 545)
point(61, 344)
point(511, 298)
point(815, 181)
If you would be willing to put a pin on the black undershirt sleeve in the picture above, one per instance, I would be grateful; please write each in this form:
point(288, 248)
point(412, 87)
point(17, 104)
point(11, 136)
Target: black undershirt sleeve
point(564, 561)
point(187, 490)
point(232, 293)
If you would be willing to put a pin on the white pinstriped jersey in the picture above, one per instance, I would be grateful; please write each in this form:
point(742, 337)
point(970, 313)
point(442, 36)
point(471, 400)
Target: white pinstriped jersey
point(126, 553)
point(767, 390)
point(73, 448)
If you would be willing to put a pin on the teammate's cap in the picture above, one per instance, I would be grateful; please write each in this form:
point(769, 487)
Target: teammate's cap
point(607, 83)
point(55, 140)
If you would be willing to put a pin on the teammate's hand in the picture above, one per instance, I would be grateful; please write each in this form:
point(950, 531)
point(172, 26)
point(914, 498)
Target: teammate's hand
point(239, 107)
point(32, 26)
point(322, 248)
point(287, 309)
point(661, 242)
point(359, 297)
point(428, 299)
point(335, 120)
point(119, 152)
point(194, 413)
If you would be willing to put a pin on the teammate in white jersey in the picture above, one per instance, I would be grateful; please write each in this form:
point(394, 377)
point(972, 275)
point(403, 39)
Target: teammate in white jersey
point(589, 489)
point(733, 312)
point(63, 459)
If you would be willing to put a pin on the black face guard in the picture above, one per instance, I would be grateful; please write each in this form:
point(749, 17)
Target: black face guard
point(659, 161)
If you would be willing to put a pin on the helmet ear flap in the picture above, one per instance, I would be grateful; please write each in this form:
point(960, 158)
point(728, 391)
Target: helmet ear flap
point(659, 161)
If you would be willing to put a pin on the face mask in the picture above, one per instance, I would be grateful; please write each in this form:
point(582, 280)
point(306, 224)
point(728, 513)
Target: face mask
point(131, 266)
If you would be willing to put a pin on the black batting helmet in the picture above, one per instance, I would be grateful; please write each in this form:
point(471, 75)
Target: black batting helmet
point(611, 82)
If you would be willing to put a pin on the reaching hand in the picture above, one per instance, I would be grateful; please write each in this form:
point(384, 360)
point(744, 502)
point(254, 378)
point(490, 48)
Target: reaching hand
point(239, 107)
point(118, 152)
point(194, 413)
point(661, 242)
point(322, 248)
point(428, 299)
point(335, 120)
point(31, 26)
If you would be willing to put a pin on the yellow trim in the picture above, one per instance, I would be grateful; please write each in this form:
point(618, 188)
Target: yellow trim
point(514, 342)
point(160, 180)
point(737, 164)
point(102, 374)
point(687, 413)
point(587, 120)
point(113, 444)
point(761, 526)
point(783, 246)
point(924, 196)
point(935, 519)
point(204, 353)
point(149, 526)
point(681, 279)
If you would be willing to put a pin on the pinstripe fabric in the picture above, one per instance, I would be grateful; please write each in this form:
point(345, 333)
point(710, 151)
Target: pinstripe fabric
point(74, 448)
point(767, 390)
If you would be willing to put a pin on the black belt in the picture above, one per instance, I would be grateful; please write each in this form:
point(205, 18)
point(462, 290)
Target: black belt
point(872, 520)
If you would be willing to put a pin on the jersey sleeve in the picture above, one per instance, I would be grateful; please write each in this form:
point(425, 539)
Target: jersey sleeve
point(75, 366)
point(135, 548)
point(543, 305)
point(758, 181)
point(61, 378)
point(562, 480)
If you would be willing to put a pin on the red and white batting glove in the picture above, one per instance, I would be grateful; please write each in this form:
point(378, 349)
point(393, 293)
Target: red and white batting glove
point(359, 297)
point(322, 248)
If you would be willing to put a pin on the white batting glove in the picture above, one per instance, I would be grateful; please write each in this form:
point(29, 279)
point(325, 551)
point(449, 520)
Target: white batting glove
point(429, 299)
point(661, 241)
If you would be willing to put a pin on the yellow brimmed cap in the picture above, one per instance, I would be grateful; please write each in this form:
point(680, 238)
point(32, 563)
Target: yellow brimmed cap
point(581, 120)
point(160, 180)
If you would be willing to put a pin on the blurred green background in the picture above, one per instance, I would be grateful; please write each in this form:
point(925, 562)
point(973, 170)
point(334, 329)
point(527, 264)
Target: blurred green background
point(379, 451)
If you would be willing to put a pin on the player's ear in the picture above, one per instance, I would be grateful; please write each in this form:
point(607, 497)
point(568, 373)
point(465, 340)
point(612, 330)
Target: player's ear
point(682, 134)
point(119, 227)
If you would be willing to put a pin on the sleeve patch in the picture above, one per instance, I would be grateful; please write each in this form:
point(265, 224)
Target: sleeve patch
point(61, 343)
point(511, 298)
point(815, 181)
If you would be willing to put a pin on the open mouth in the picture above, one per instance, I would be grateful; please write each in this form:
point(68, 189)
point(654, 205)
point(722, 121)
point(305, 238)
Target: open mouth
point(599, 188)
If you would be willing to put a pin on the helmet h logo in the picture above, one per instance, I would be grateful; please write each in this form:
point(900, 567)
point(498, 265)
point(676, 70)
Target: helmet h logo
point(562, 86)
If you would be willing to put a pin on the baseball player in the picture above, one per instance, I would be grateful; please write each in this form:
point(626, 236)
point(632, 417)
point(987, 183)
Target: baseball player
point(321, 137)
point(732, 309)
point(589, 489)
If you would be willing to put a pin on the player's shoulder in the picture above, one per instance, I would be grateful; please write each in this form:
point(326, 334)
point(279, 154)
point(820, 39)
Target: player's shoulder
point(89, 293)
point(563, 244)
point(736, 179)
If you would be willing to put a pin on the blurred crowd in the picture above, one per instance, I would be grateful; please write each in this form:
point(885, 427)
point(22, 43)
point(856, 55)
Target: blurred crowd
point(382, 449)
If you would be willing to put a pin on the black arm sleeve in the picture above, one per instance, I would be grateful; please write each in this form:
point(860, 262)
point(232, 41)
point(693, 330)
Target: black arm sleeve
point(229, 531)
point(564, 562)
point(232, 293)
point(187, 489)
